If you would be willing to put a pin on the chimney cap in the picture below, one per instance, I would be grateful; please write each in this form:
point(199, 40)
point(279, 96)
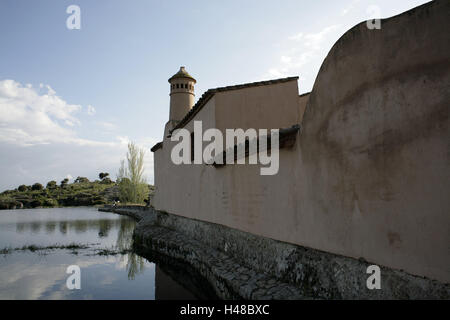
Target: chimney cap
point(182, 74)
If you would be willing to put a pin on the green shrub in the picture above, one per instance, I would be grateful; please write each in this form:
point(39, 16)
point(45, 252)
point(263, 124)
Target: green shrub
point(106, 181)
point(4, 205)
point(52, 185)
point(64, 183)
point(36, 203)
point(81, 180)
point(50, 202)
point(37, 186)
point(81, 193)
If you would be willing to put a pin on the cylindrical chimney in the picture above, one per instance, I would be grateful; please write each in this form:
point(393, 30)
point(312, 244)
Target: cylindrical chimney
point(181, 94)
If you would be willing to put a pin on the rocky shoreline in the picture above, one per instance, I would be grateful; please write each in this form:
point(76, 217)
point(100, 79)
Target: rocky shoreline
point(239, 265)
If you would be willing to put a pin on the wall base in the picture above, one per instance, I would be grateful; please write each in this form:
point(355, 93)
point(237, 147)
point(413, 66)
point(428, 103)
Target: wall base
point(242, 265)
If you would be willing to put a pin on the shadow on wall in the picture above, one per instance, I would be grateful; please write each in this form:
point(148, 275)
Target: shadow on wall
point(374, 143)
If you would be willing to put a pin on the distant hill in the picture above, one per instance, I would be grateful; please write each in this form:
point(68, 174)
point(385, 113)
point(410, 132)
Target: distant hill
point(80, 193)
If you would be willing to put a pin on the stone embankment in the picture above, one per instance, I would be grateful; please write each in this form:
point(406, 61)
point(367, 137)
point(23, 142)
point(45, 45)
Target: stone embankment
point(229, 278)
point(240, 265)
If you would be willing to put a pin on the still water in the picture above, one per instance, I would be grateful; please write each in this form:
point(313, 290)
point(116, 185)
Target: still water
point(38, 245)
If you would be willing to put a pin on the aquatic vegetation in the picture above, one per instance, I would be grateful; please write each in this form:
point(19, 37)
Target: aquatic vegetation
point(35, 248)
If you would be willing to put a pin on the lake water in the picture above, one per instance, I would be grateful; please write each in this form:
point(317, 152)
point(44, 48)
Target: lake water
point(38, 245)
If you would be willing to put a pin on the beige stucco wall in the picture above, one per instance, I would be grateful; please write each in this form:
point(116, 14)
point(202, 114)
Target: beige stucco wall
point(369, 174)
point(303, 101)
point(178, 187)
point(374, 146)
point(270, 106)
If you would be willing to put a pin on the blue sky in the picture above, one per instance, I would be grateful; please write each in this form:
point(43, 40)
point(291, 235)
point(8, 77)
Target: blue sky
point(71, 99)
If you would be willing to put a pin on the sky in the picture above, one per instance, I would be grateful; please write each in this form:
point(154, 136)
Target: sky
point(72, 99)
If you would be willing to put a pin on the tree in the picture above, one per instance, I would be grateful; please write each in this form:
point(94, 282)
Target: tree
point(103, 175)
point(22, 188)
point(51, 184)
point(37, 186)
point(130, 178)
point(50, 202)
point(36, 203)
point(124, 183)
point(64, 182)
point(81, 180)
point(106, 180)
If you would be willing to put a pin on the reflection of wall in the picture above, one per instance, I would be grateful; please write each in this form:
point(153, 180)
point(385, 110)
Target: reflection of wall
point(175, 279)
point(103, 226)
point(168, 289)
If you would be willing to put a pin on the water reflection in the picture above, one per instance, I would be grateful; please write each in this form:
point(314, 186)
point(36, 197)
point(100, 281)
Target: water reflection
point(79, 226)
point(135, 265)
point(111, 268)
point(176, 280)
point(50, 227)
point(62, 227)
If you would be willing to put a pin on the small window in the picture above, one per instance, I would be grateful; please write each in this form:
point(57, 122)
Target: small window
point(178, 85)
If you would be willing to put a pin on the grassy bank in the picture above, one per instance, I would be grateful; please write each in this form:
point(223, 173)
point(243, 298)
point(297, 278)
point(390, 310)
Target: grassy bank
point(79, 193)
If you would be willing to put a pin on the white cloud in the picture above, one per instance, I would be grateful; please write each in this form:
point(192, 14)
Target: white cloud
point(350, 7)
point(286, 59)
point(296, 37)
point(28, 117)
point(314, 41)
point(123, 140)
point(109, 126)
point(40, 139)
point(304, 52)
point(50, 90)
